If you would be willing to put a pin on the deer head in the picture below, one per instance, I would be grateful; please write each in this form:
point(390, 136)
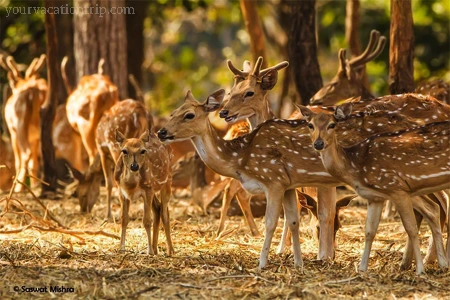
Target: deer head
point(133, 152)
point(246, 98)
point(347, 82)
point(191, 111)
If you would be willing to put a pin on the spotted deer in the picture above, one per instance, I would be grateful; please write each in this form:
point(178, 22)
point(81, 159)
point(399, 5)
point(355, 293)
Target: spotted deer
point(385, 166)
point(132, 119)
point(347, 82)
point(437, 88)
point(22, 116)
point(143, 169)
point(276, 157)
point(93, 96)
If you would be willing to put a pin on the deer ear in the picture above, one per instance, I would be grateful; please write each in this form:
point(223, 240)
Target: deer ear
point(343, 111)
point(189, 96)
point(306, 112)
point(145, 137)
point(247, 67)
point(214, 100)
point(119, 136)
point(344, 201)
point(269, 80)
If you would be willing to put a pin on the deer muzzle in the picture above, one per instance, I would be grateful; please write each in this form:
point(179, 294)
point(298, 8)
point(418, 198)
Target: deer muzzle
point(134, 167)
point(319, 144)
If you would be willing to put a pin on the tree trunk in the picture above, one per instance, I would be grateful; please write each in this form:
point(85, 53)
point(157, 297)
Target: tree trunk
point(101, 34)
point(135, 38)
point(64, 31)
point(401, 50)
point(254, 29)
point(352, 37)
point(48, 109)
point(302, 48)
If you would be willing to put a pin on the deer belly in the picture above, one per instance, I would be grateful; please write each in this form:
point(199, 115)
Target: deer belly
point(251, 185)
point(132, 195)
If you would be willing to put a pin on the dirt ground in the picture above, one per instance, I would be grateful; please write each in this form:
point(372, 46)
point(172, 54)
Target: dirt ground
point(92, 267)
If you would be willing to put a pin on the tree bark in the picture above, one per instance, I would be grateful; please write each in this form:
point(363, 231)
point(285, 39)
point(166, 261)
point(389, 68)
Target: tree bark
point(352, 37)
point(64, 31)
point(254, 29)
point(302, 48)
point(48, 109)
point(101, 34)
point(401, 50)
point(135, 44)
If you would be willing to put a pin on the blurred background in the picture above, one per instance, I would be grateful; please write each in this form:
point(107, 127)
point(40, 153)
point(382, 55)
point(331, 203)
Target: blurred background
point(175, 45)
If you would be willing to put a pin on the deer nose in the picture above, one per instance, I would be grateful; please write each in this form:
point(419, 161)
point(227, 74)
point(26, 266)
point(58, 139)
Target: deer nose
point(319, 145)
point(162, 133)
point(223, 113)
point(134, 167)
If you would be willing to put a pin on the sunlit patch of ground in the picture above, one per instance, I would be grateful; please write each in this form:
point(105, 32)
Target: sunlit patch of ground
point(203, 267)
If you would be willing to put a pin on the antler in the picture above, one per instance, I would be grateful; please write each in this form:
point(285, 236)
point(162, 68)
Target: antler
point(35, 66)
point(277, 67)
point(13, 67)
point(370, 53)
point(257, 68)
point(101, 64)
point(69, 89)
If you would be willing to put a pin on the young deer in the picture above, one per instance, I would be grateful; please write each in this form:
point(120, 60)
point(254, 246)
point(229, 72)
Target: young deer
point(22, 116)
point(437, 88)
point(142, 170)
point(131, 118)
point(347, 82)
point(375, 168)
point(93, 96)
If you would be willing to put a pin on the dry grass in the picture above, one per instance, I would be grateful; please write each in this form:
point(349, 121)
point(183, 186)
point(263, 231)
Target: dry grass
point(202, 267)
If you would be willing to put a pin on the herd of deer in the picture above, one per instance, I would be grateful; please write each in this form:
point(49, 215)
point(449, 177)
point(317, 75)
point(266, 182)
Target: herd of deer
point(393, 147)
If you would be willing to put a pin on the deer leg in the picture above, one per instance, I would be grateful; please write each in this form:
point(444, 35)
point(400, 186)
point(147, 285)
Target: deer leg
point(285, 238)
point(88, 139)
point(107, 166)
point(244, 199)
point(274, 198)
point(226, 200)
point(404, 207)
point(125, 219)
point(33, 163)
point(374, 210)
point(430, 211)
point(388, 210)
point(147, 219)
point(156, 206)
point(326, 212)
point(408, 254)
point(17, 157)
point(292, 221)
point(165, 197)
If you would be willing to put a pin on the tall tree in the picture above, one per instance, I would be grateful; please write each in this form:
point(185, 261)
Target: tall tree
point(48, 109)
point(253, 24)
point(100, 32)
point(135, 41)
point(302, 48)
point(352, 37)
point(401, 50)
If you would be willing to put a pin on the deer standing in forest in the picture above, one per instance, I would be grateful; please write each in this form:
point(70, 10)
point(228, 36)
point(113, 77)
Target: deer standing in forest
point(132, 119)
point(86, 104)
point(347, 82)
point(264, 162)
point(374, 169)
point(22, 116)
point(143, 169)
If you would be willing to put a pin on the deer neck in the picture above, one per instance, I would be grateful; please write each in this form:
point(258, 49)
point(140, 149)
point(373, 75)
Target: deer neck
point(365, 93)
point(334, 159)
point(261, 116)
point(216, 152)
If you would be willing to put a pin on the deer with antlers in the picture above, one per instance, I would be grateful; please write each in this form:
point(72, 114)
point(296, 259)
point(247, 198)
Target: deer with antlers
point(347, 82)
point(86, 104)
point(261, 161)
point(385, 166)
point(142, 170)
point(22, 116)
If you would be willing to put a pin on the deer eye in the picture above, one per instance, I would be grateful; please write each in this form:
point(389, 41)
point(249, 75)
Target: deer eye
point(249, 94)
point(143, 151)
point(124, 151)
point(332, 125)
point(189, 116)
point(310, 126)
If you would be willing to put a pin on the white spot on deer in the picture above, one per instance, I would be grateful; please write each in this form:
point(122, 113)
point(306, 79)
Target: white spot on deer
point(273, 161)
point(256, 169)
point(235, 154)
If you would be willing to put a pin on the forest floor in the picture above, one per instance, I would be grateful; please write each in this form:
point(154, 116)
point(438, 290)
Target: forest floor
point(92, 267)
